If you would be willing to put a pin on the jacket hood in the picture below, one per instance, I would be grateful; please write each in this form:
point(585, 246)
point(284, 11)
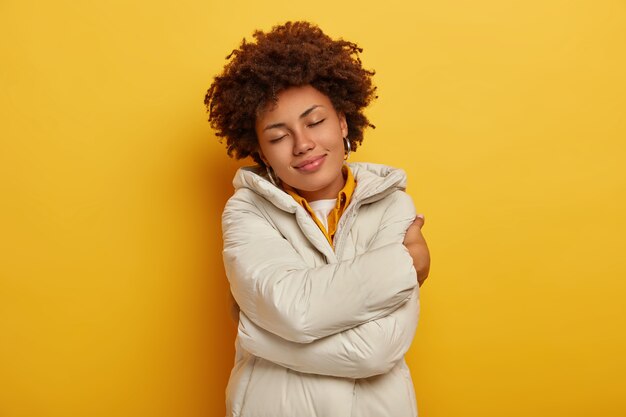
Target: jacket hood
point(374, 181)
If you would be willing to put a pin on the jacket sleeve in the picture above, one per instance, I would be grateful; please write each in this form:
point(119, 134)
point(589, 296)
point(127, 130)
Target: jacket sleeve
point(369, 349)
point(280, 293)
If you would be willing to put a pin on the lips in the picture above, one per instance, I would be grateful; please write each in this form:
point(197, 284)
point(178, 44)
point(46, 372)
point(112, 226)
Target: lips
point(311, 164)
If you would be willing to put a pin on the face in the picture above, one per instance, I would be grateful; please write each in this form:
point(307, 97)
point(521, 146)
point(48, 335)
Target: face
point(301, 138)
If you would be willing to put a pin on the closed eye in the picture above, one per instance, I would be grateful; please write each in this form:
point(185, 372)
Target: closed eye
point(276, 140)
point(316, 123)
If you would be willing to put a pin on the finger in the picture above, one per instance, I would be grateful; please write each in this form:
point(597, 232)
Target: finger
point(419, 220)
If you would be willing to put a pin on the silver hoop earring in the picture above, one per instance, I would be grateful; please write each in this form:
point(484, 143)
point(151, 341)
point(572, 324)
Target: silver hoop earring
point(347, 147)
point(270, 175)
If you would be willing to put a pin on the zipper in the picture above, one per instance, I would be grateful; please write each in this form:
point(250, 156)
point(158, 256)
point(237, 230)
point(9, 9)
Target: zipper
point(345, 224)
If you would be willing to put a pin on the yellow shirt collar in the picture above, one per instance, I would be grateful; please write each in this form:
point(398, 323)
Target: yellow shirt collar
point(343, 200)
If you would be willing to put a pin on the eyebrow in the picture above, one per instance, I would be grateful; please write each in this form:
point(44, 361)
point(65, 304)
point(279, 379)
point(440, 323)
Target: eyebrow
point(304, 114)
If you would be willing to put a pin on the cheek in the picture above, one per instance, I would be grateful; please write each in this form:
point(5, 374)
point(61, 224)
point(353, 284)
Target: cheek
point(330, 138)
point(336, 144)
point(278, 156)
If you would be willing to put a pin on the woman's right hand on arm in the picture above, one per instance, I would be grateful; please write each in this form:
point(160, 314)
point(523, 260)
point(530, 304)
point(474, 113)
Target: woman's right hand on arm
point(416, 244)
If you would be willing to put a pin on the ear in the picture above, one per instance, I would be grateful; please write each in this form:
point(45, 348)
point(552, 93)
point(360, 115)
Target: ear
point(343, 125)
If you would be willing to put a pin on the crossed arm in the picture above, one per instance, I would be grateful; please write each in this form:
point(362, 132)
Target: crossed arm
point(366, 350)
point(284, 314)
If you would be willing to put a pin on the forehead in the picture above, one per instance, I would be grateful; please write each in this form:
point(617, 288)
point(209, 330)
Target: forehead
point(292, 101)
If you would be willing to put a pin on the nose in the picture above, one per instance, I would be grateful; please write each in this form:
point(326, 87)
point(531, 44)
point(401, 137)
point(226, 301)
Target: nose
point(302, 143)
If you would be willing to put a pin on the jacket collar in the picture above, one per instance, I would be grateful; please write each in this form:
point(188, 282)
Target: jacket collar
point(374, 181)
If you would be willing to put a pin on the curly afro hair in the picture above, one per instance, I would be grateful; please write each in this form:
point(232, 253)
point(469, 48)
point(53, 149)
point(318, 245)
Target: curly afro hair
point(293, 54)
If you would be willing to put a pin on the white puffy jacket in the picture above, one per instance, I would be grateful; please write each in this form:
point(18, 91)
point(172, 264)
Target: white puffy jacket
point(322, 332)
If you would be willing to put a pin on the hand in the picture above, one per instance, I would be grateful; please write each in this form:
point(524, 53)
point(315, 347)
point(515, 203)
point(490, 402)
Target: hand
point(416, 244)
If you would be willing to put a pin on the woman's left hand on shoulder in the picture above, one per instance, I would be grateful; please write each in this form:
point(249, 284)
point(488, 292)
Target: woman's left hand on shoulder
point(416, 244)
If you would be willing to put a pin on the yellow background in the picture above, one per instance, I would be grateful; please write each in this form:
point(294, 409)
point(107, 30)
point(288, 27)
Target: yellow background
point(509, 117)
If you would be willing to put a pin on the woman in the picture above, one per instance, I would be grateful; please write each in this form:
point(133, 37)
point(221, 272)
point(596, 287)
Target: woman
point(323, 257)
